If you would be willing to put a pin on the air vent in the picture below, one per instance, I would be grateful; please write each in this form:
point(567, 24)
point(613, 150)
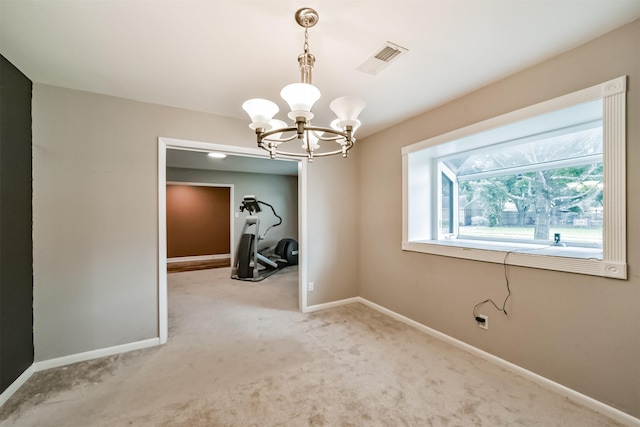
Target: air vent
point(387, 54)
point(379, 60)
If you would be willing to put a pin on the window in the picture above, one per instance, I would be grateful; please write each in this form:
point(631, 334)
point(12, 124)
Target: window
point(542, 187)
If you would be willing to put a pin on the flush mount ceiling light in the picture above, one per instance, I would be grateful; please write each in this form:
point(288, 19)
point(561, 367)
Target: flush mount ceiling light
point(216, 155)
point(273, 133)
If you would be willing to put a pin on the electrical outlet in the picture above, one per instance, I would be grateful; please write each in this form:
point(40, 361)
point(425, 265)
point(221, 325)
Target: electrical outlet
point(485, 324)
point(310, 286)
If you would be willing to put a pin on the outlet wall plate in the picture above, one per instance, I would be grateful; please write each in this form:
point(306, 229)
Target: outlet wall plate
point(484, 325)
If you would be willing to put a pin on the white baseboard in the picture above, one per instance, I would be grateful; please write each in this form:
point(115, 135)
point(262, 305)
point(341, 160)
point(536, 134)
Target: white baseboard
point(16, 385)
point(198, 258)
point(73, 358)
point(318, 307)
point(94, 354)
point(571, 394)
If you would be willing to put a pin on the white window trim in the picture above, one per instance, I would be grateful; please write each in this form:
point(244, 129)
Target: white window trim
point(419, 230)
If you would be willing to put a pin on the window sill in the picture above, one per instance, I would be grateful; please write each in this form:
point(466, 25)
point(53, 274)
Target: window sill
point(567, 259)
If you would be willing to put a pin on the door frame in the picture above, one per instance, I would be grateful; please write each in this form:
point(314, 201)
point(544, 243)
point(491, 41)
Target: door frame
point(181, 144)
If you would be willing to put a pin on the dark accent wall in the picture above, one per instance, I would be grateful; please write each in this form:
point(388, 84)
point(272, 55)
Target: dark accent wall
point(198, 220)
point(16, 245)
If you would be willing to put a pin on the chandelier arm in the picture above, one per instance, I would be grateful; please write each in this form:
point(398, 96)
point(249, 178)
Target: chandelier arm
point(321, 136)
point(338, 133)
point(263, 135)
point(327, 153)
point(333, 138)
point(315, 154)
point(289, 154)
point(267, 139)
point(305, 154)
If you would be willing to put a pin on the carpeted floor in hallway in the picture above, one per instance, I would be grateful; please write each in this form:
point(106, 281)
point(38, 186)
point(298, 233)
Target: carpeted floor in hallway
point(240, 354)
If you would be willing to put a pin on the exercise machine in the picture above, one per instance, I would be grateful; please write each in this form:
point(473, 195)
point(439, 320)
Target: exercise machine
point(251, 263)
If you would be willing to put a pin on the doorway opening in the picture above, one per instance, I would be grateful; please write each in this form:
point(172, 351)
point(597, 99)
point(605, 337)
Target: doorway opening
point(165, 144)
point(199, 225)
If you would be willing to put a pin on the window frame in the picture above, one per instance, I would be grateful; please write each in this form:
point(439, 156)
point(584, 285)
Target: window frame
point(420, 227)
point(445, 172)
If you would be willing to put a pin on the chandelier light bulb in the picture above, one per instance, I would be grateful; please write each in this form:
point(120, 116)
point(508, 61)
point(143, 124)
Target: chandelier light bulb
point(347, 109)
point(300, 97)
point(261, 112)
point(310, 140)
point(277, 124)
point(335, 124)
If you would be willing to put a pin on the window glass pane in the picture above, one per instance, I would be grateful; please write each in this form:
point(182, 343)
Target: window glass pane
point(446, 216)
point(537, 130)
point(535, 206)
point(573, 145)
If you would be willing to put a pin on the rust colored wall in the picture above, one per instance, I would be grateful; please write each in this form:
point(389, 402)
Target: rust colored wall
point(197, 220)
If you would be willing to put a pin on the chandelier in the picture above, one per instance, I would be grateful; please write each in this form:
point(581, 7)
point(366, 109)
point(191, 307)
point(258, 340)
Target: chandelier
point(272, 133)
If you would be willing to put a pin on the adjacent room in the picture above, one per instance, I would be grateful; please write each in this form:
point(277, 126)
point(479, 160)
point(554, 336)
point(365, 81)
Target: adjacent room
point(455, 180)
point(204, 195)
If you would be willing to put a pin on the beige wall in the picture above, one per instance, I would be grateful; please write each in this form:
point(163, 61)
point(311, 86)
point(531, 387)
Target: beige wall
point(333, 233)
point(95, 213)
point(580, 331)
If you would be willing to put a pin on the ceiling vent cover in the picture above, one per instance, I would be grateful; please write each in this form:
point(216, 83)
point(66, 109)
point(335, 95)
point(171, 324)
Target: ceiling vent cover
point(379, 60)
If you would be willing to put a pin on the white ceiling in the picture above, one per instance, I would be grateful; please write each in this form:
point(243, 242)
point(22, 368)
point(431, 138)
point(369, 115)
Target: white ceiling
point(212, 55)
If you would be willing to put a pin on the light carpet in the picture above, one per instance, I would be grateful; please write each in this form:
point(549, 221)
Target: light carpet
point(240, 354)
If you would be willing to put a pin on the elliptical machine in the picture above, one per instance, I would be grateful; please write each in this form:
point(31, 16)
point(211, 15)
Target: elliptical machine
point(250, 263)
